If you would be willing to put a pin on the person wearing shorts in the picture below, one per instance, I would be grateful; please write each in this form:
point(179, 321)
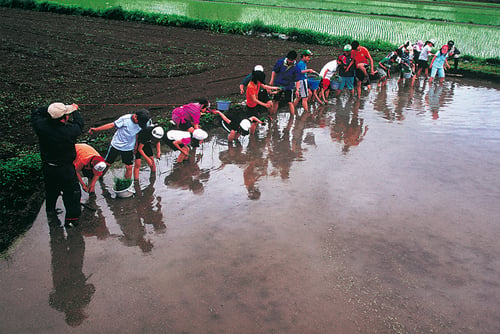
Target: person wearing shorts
point(236, 124)
point(438, 63)
point(346, 68)
point(284, 75)
point(302, 92)
point(326, 74)
point(423, 58)
point(124, 140)
point(146, 139)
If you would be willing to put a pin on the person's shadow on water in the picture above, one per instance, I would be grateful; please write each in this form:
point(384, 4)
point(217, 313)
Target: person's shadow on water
point(71, 293)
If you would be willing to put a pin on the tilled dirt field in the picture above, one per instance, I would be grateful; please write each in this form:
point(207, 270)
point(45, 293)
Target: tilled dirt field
point(113, 67)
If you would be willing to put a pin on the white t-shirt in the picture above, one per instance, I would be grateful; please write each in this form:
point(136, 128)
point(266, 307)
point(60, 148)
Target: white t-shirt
point(424, 55)
point(125, 135)
point(329, 70)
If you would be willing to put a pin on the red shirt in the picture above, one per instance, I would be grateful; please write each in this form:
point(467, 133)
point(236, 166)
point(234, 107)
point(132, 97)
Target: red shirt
point(360, 56)
point(84, 155)
point(252, 89)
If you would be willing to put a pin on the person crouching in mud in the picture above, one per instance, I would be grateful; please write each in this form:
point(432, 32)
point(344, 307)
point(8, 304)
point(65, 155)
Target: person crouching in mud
point(187, 117)
point(235, 123)
point(179, 140)
point(254, 105)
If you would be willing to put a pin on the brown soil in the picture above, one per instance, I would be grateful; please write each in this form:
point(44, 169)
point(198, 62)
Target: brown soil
point(111, 68)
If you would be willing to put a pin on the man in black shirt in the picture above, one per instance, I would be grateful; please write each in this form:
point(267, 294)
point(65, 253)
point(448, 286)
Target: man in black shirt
point(57, 138)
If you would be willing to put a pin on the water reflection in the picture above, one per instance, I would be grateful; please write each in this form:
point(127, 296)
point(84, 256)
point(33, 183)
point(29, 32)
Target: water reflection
point(280, 153)
point(438, 96)
point(95, 222)
point(187, 175)
point(71, 293)
point(128, 217)
point(347, 126)
point(149, 205)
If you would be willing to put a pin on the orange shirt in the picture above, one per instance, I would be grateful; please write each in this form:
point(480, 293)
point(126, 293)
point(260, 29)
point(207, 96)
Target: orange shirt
point(360, 56)
point(84, 153)
point(252, 89)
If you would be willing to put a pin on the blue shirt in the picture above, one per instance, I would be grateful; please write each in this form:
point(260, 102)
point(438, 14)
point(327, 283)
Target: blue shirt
point(285, 76)
point(302, 65)
point(439, 60)
point(124, 137)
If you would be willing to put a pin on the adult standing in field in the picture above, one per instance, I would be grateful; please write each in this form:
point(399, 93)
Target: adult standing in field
point(439, 63)
point(346, 67)
point(285, 75)
point(303, 87)
point(423, 58)
point(57, 136)
point(90, 164)
point(187, 117)
point(124, 140)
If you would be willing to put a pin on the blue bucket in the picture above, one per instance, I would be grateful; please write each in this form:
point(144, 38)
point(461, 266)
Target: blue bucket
point(334, 84)
point(313, 83)
point(223, 105)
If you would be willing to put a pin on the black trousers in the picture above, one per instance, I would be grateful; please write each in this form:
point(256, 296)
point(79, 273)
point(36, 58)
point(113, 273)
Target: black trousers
point(62, 179)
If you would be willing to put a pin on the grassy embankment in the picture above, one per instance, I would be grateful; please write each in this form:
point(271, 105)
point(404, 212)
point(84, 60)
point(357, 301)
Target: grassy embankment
point(20, 174)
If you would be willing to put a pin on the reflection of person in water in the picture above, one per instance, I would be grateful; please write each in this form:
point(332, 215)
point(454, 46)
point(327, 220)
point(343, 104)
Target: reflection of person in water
point(298, 133)
point(381, 104)
point(233, 155)
point(280, 152)
point(71, 293)
point(438, 96)
point(187, 176)
point(95, 222)
point(354, 132)
point(255, 168)
point(339, 125)
point(149, 205)
point(127, 217)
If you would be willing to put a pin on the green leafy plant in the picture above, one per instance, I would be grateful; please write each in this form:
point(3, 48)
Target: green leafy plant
point(122, 183)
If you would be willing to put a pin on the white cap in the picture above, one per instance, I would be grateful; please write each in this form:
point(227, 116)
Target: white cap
point(157, 132)
point(200, 134)
point(177, 135)
point(258, 68)
point(245, 124)
point(100, 167)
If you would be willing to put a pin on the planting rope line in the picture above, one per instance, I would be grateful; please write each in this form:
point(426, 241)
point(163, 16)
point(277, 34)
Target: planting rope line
point(128, 104)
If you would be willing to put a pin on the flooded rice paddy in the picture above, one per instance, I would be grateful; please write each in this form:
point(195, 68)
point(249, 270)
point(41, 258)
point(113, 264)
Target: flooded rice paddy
point(481, 40)
point(377, 215)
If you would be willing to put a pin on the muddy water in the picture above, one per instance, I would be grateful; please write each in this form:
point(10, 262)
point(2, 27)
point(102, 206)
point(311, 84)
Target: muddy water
point(370, 216)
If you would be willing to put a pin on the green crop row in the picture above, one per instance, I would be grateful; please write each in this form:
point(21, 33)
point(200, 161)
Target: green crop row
point(450, 10)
